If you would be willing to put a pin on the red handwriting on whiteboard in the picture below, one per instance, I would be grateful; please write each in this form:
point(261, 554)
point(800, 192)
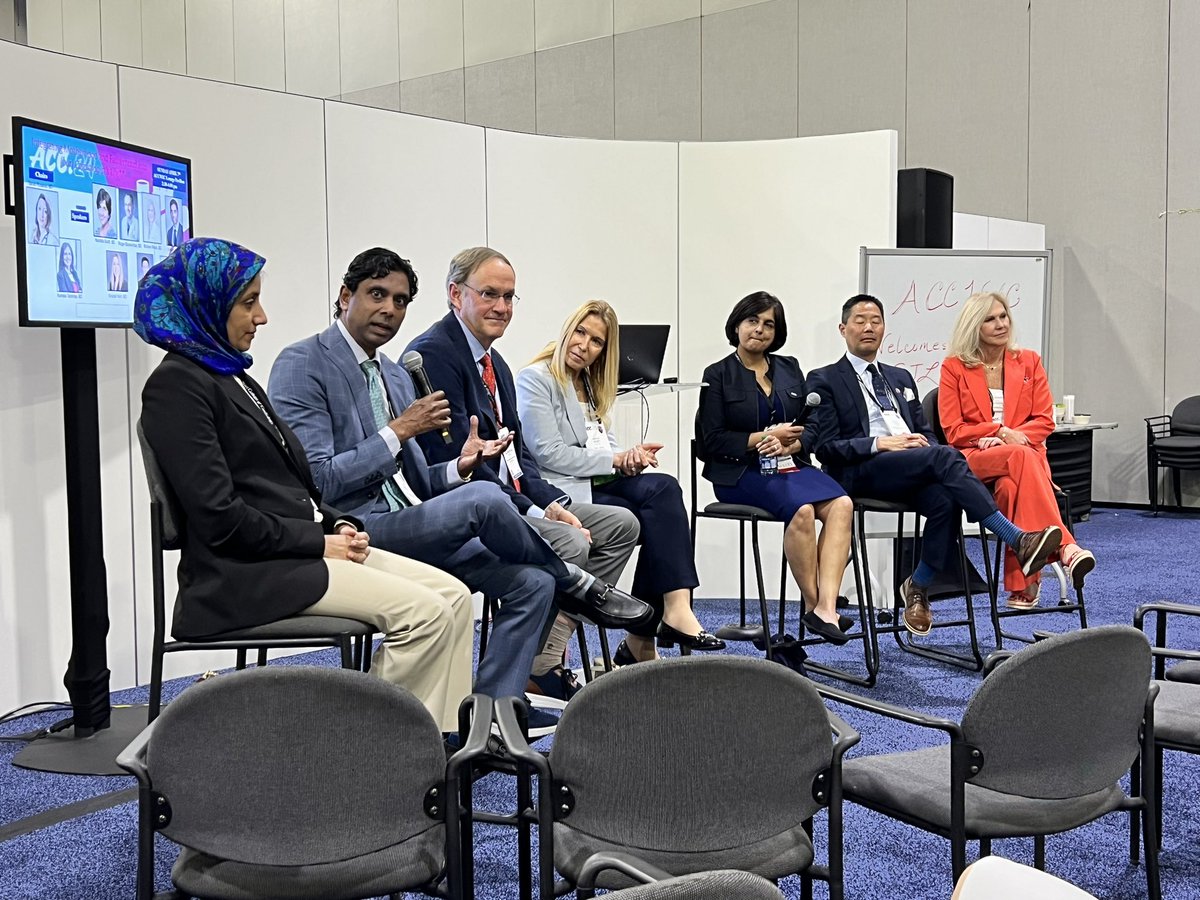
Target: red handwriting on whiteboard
point(925, 374)
point(893, 345)
point(949, 294)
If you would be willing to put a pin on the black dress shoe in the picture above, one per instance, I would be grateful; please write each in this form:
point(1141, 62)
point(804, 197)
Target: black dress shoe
point(845, 623)
point(608, 606)
point(624, 656)
point(669, 637)
point(822, 629)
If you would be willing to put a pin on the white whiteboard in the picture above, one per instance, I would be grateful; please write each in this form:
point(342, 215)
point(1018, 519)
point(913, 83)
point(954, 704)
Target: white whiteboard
point(922, 292)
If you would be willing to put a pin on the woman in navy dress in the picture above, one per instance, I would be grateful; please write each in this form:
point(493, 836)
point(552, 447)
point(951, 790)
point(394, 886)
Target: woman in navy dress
point(747, 414)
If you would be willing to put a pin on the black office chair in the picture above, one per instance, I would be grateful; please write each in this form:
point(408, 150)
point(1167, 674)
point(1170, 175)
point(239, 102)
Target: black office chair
point(1173, 442)
point(350, 636)
point(930, 406)
point(761, 634)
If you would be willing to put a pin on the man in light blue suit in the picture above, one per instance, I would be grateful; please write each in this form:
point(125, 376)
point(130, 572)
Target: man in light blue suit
point(357, 414)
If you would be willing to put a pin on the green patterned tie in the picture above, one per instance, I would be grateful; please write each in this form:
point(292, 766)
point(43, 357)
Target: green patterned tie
point(391, 491)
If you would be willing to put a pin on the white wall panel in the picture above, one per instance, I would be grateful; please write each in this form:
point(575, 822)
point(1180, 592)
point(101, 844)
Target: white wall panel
point(244, 191)
point(312, 49)
point(258, 52)
point(35, 618)
point(584, 219)
point(121, 31)
point(81, 28)
point(431, 37)
point(786, 217)
point(370, 42)
point(410, 184)
point(496, 29)
point(210, 39)
point(44, 24)
point(164, 36)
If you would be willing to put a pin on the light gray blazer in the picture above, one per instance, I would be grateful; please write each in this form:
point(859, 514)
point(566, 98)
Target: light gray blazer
point(556, 434)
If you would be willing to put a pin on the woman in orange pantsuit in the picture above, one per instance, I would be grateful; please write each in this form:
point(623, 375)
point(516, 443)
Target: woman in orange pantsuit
point(995, 406)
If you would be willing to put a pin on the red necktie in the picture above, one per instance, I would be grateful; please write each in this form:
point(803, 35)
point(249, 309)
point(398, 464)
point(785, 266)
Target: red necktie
point(489, 382)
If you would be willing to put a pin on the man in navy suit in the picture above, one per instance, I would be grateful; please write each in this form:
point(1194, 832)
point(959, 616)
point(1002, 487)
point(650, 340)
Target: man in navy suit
point(461, 360)
point(872, 436)
point(356, 413)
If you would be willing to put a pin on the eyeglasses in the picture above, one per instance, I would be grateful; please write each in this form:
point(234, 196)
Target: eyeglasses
point(493, 297)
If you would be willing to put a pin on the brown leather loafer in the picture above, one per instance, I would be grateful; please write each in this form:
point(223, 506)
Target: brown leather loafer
point(918, 618)
point(1036, 547)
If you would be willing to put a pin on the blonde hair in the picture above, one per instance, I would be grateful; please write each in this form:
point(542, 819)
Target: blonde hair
point(964, 343)
point(602, 373)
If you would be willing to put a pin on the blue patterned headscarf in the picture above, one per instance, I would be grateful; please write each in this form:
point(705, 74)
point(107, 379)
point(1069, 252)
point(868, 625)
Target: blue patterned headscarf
point(183, 302)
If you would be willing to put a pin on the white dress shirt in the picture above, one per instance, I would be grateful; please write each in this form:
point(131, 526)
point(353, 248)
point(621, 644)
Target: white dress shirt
point(882, 422)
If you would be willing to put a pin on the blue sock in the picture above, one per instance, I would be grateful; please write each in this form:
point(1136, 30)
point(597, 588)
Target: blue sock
point(923, 574)
point(1004, 529)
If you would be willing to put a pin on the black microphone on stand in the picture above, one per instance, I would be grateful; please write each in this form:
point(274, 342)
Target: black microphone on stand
point(415, 365)
point(811, 402)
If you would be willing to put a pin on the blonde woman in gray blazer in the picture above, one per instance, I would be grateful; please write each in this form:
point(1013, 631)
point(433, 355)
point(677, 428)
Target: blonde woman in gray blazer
point(564, 396)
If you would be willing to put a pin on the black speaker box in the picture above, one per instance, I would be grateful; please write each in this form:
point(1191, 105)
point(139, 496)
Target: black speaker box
point(924, 209)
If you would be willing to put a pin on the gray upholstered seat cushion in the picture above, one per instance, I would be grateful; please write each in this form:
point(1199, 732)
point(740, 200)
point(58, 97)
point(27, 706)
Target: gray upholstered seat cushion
point(1177, 713)
point(918, 783)
point(416, 861)
point(772, 857)
point(1188, 670)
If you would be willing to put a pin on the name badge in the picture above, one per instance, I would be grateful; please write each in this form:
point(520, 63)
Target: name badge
point(787, 464)
point(510, 466)
point(895, 422)
point(597, 437)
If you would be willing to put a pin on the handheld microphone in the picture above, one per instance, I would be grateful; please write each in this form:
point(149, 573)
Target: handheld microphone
point(415, 365)
point(811, 402)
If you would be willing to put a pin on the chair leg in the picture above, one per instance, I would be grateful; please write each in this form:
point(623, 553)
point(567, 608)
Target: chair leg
point(1039, 852)
point(345, 645)
point(1158, 792)
point(262, 656)
point(1152, 829)
point(145, 863)
point(762, 588)
point(241, 660)
point(985, 847)
point(742, 570)
point(156, 667)
point(1177, 481)
point(1152, 480)
point(1135, 790)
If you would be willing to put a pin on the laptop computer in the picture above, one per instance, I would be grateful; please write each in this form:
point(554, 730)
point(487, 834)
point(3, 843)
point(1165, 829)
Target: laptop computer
point(642, 350)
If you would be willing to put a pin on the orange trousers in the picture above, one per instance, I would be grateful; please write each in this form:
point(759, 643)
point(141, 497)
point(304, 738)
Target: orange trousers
point(1020, 480)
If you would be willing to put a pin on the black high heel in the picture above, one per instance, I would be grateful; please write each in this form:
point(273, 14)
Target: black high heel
point(624, 656)
point(669, 637)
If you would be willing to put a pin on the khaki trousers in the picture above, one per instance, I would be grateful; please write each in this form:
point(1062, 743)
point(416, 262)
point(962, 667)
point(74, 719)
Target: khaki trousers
point(425, 616)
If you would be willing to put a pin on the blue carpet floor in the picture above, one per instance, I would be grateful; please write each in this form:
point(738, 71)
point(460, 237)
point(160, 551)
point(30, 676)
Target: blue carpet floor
point(1140, 559)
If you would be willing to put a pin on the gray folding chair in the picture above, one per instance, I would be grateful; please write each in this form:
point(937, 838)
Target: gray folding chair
point(1177, 710)
point(294, 782)
point(722, 763)
point(350, 636)
point(1040, 750)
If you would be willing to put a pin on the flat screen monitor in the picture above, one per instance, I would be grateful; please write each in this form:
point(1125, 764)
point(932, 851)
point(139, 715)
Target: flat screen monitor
point(93, 214)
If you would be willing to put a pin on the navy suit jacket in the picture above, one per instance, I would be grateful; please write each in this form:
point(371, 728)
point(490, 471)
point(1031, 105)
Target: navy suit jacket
point(452, 369)
point(729, 414)
point(320, 391)
point(841, 425)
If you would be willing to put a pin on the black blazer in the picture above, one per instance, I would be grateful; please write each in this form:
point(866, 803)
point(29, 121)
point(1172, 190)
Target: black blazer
point(841, 426)
point(729, 414)
point(251, 550)
point(451, 368)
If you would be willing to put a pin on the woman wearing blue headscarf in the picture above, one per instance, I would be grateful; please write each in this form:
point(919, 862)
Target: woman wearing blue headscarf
point(258, 543)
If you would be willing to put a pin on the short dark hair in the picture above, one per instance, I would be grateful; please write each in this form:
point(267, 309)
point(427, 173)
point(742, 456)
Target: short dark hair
point(857, 299)
point(174, 203)
point(102, 197)
point(378, 262)
point(752, 305)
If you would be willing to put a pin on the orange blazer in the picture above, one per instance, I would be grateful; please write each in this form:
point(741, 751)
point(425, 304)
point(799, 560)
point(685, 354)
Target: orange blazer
point(965, 406)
